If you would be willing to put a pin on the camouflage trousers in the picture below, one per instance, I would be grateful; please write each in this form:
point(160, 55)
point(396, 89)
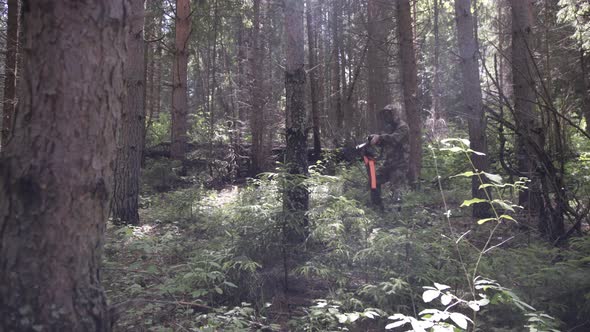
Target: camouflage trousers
point(393, 180)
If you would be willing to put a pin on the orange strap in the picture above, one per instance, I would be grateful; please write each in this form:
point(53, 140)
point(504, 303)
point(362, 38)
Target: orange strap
point(370, 162)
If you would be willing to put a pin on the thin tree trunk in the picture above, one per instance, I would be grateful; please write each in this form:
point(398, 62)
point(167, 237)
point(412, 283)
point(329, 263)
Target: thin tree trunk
point(257, 97)
point(527, 121)
point(436, 80)
point(56, 173)
point(311, 49)
point(585, 88)
point(472, 97)
point(10, 68)
point(158, 81)
point(296, 197)
point(125, 203)
point(336, 92)
point(212, 69)
point(410, 88)
point(377, 69)
point(179, 89)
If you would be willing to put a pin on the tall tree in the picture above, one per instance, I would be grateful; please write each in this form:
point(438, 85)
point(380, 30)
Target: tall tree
point(179, 84)
point(125, 203)
point(410, 87)
point(436, 63)
point(10, 68)
point(335, 61)
point(313, 78)
point(296, 197)
point(56, 174)
point(472, 98)
point(376, 62)
point(529, 134)
point(257, 121)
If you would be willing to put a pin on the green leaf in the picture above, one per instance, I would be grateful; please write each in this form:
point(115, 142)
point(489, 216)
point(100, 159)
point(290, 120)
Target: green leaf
point(507, 217)
point(441, 286)
point(371, 314)
point(230, 284)
point(459, 319)
point(353, 316)
point(465, 174)
point(476, 152)
point(430, 295)
point(454, 149)
point(493, 177)
point(219, 290)
point(473, 305)
point(472, 201)
point(342, 318)
point(461, 140)
point(395, 324)
point(446, 299)
point(503, 205)
point(483, 221)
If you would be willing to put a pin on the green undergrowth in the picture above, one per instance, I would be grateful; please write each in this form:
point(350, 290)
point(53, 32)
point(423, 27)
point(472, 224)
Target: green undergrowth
point(205, 260)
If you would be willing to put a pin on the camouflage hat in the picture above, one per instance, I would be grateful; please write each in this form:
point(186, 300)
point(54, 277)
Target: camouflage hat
point(393, 112)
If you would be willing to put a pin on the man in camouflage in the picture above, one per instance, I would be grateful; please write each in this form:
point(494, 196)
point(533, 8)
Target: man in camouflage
point(393, 160)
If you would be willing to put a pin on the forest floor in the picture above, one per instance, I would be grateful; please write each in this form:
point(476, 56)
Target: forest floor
point(214, 260)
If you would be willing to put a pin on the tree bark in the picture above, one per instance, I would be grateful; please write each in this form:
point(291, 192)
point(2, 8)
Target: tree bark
point(313, 81)
point(296, 197)
point(585, 88)
point(179, 89)
point(10, 68)
point(336, 92)
point(410, 88)
point(527, 120)
point(472, 97)
point(377, 68)
point(436, 80)
point(125, 203)
point(257, 121)
point(56, 173)
point(157, 104)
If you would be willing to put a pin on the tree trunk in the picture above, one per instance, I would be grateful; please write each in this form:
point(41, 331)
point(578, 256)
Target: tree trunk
point(336, 92)
point(125, 203)
point(315, 112)
point(472, 97)
point(158, 80)
point(296, 197)
point(527, 121)
point(10, 67)
point(257, 95)
point(179, 89)
point(585, 88)
point(504, 44)
point(436, 80)
point(377, 69)
point(410, 88)
point(56, 174)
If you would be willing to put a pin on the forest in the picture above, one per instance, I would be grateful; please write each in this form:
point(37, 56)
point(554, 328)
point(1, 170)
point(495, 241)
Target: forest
point(295, 165)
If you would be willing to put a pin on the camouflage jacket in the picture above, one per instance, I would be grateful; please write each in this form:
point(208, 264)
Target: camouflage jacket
point(395, 148)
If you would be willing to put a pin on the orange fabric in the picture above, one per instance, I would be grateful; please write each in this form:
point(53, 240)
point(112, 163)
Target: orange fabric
point(370, 162)
point(373, 175)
